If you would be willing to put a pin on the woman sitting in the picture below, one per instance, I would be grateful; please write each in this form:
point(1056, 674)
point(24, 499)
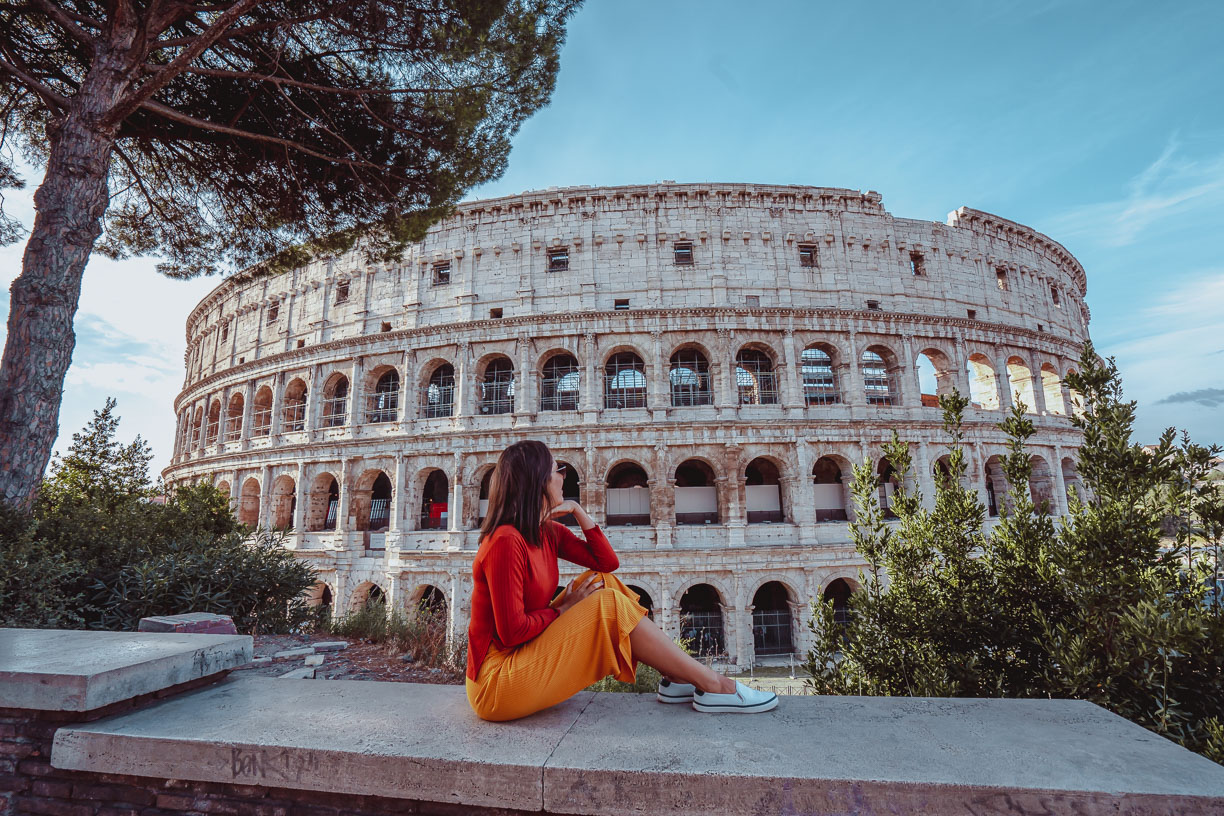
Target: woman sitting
point(528, 651)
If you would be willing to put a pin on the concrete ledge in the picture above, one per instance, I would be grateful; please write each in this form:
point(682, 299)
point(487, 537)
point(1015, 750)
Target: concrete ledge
point(61, 670)
point(625, 754)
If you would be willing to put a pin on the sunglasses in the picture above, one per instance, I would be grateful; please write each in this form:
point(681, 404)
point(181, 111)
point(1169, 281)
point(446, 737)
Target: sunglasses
point(561, 468)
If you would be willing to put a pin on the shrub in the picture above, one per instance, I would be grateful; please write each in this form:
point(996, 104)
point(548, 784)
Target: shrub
point(420, 633)
point(1097, 609)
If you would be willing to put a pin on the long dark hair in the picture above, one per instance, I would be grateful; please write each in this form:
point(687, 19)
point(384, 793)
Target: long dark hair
point(516, 491)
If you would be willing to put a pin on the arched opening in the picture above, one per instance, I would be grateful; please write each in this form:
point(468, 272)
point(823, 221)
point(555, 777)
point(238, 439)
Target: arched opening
point(690, 379)
point(294, 417)
point(879, 379)
point(284, 502)
point(628, 495)
point(324, 503)
point(570, 489)
point(887, 478)
point(934, 377)
point(375, 597)
point(233, 419)
point(1041, 485)
point(326, 600)
point(1071, 480)
point(829, 490)
point(383, 404)
point(701, 621)
point(942, 471)
point(1077, 399)
point(380, 504)
point(485, 483)
point(696, 493)
point(755, 378)
point(1021, 380)
point(440, 392)
point(214, 422)
point(983, 387)
point(996, 485)
point(434, 501)
point(625, 381)
point(432, 603)
point(771, 620)
point(497, 387)
point(261, 412)
point(335, 401)
point(197, 429)
point(764, 492)
point(560, 383)
point(361, 499)
point(1051, 387)
point(644, 599)
point(819, 377)
point(248, 503)
point(838, 592)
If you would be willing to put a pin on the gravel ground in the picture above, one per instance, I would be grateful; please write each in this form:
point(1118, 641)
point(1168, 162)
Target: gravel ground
point(359, 661)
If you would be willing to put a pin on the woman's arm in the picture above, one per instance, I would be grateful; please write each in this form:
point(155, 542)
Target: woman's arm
point(595, 552)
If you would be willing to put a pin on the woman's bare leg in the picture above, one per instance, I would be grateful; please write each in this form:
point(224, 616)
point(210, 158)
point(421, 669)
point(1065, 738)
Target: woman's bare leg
point(654, 648)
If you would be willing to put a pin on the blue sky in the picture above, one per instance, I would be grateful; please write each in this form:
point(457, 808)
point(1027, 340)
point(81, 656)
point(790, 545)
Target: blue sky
point(1097, 123)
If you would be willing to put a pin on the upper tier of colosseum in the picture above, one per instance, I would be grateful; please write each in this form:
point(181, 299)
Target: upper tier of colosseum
point(579, 249)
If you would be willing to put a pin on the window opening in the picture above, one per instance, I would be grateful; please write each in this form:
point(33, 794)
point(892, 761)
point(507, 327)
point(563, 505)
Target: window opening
point(273, 313)
point(380, 504)
point(558, 259)
point(628, 496)
point(497, 388)
point(771, 620)
point(838, 593)
point(1054, 295)
point(224, 332)
point(819, 378)
point(878, 380)
point(333, 506)
point(696, 493)
point(383, 404)
point(441, 273)
point(625, 381)
point(261, 416)
point(701, 620)
point(440, 393)
point(1001, 279)
point(683, 253)
point(917, 264)
point(295, 407)
point(808, 256)
point(233, 419)
point(494, 314)
point(434, 502)
point(385, 327)
point(301, 344)
point(755, 378)
point(972, 313)
point(342, 292)
point(335, 405)
point(752, 301)
point(690, 379)
point(764, 492)
point(828, 489)
point(873, 305)
point(560, 383)
point(621, 304)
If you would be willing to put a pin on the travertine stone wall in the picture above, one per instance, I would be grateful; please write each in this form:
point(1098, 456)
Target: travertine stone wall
point(774, 269)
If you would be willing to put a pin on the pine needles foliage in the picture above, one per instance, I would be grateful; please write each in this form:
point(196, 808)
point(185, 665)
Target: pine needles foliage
point(1102, 606)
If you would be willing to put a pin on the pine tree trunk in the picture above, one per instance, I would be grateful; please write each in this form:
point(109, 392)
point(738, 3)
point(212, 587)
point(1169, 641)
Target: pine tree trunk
point(70, 204)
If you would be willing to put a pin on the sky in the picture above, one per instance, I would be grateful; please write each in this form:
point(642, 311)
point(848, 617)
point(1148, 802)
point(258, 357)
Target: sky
point(1097, 123)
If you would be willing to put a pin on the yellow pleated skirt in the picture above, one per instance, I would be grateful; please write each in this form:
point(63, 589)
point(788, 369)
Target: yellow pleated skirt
point(585, 644)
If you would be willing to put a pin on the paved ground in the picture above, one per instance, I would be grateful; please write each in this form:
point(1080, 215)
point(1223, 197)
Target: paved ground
point(359, 661)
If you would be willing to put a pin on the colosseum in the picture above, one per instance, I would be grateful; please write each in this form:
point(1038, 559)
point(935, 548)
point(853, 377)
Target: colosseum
point(708, 362)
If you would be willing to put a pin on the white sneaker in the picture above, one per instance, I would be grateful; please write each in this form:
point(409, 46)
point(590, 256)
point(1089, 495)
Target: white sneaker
point(743, 701)
point(670, 692)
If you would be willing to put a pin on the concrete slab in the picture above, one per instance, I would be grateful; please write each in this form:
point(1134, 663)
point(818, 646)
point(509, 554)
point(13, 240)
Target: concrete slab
point(303, 673)
point(385, 739)
point(313, 660)
point(300, 652)
point(816, 755)
point(330, 646)
point(61, 670)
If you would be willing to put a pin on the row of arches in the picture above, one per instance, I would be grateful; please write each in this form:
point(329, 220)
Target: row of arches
point(697, 491)
point(690, 381)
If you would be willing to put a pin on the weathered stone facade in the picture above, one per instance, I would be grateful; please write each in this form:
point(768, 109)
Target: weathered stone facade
point(708, 360)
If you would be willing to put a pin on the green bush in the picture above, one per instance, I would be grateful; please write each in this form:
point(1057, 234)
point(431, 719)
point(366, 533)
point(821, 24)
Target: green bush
point(95, 551)
point(420, 633)
point(1099, 608)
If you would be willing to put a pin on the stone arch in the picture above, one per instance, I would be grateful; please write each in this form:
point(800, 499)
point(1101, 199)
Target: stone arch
point(1071, 480)
point(495, 384)
point(293, 416)
point(323, 503)
point(996, 485)
point(935, 377)
point(763, 490)
point(223, 487)
point(438, 391)
point(248, 502)
point(756, 376)
point(624, 377)
point(888, 480)
point(773, 622)
point(362, 508)
point(983, 384)
point(701, 619)
point(213, 428)
point(335, 400)
point(365, 595)
point(429, 599)
point(1051, 388)
point(321, 594)
point(696, 492)
point(560, 381)
point(878, 364)
point(571, 488)
point(838, 590)
point(261, 412)
point(608, 353)
point(435, 499)
point(1020, 378)
point(627, 493)
point(690, 376)
point(233, 417)
point(819, 363)
point(644, 597)
point(483, 477)
point(832, 476)
point(284, 502)
point(383, 386)
point(1076, 406)
point(1041, 485)
point(197, 428)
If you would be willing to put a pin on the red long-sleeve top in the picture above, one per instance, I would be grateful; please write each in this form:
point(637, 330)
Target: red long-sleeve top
point(514, 582)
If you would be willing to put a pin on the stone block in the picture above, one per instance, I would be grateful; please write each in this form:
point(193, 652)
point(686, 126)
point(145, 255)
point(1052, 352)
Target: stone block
point(197, 623)
point(330, 646)
point(303, 673)
point(314, 660)
point(305, 650)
